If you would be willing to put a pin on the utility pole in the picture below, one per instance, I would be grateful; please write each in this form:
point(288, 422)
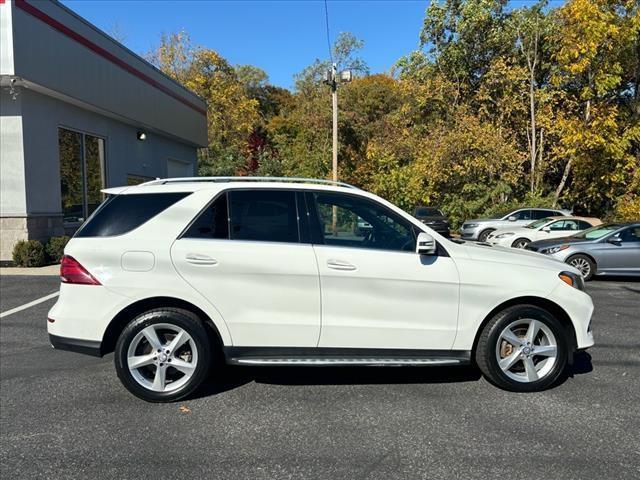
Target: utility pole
point(332, 79)
point(334, 100)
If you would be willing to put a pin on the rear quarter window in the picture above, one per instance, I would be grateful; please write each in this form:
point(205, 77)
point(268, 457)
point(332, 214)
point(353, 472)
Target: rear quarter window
point(121, 214)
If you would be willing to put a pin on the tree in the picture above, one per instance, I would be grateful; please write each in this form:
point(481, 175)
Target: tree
point(231, 114)
point(596, 143)
point(344, 52)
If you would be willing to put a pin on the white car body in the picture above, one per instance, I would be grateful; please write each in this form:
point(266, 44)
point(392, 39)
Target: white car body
point(303, 295)
point(544, 229)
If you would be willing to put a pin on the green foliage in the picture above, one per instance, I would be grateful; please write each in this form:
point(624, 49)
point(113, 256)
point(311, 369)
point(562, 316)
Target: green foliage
point(54, 248)
point(28, 253)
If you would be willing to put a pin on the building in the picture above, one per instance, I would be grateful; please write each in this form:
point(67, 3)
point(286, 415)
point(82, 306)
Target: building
point(80, 112)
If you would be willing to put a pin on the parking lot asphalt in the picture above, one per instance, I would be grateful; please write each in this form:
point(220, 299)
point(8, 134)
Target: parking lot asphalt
point(65, 415)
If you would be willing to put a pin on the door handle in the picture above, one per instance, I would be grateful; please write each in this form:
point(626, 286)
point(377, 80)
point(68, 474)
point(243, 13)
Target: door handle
point(340, 265)
point(199, 259)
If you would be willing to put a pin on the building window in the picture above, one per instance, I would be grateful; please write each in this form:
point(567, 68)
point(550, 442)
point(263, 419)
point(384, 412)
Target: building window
point(82, 166)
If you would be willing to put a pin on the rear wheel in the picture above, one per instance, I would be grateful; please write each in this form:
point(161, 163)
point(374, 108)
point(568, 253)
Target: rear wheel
point(583, 263)
point(163, 355)
point(523, 349)
point(521, 243)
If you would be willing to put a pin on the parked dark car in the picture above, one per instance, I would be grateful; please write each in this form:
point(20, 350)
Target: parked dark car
point(433, 218)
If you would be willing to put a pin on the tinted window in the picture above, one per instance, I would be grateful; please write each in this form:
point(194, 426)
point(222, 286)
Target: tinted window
point(213, 222)
point(351, 221)
point(522, 215)
point(263, 215)
point(582, 225)
point(122, 213)
point(428, 212)
point(631, 234)
point(538, 214)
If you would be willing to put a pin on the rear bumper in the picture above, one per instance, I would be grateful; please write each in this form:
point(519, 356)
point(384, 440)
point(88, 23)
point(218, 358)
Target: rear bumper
point(88, 347)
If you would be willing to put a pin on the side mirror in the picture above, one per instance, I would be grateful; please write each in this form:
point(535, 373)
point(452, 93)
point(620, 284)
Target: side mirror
point(546, 229)
point(512, 218)
point(425, 244)
point(616, 240)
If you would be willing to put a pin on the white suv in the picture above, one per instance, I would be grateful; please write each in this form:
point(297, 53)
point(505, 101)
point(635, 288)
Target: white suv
point(173, 274)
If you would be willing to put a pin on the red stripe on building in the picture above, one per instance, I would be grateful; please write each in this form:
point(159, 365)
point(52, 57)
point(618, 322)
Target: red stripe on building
point(52, 22)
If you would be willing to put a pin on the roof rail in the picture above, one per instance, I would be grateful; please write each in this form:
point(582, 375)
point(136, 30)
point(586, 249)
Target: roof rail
point(319, 181)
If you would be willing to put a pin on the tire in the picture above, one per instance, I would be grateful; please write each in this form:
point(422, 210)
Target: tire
point(193, 355)
point(484, 234)
point(520, 243)
point(517, 361)
point(583, 263)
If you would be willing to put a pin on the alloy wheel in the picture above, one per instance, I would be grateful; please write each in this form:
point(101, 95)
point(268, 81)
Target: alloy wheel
point(581, 264)
point(526, 350)
point(162, 357)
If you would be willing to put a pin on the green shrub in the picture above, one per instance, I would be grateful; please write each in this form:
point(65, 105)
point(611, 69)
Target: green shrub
point(28, 253)
point(55, 248)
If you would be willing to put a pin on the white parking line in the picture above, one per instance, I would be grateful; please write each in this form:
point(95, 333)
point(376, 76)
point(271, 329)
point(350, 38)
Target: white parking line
point(28, 305)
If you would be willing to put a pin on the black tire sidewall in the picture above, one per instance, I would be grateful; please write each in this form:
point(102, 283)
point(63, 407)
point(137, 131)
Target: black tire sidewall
point(489, 362)
point(182, 319)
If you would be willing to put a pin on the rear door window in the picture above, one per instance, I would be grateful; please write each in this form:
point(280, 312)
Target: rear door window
point(213, 222)
point(263, 215)
point(121, 214)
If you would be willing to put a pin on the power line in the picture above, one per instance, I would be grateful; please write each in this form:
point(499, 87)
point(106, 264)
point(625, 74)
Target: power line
point(326, 19)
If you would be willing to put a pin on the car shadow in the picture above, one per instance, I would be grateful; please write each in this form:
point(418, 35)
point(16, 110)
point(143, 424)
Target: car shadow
point(228, 377)
point(604, 278)
point(581, 364)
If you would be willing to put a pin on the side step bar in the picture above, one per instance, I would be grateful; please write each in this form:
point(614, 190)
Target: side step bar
point(342, 362)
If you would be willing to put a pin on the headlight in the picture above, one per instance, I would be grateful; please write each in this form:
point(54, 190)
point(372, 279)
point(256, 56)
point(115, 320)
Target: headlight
point(573, 280)
point(552, 250)
point(505, 235)
point(469, 225)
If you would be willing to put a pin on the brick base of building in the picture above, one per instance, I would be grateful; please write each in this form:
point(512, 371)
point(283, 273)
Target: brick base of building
point(30, 227)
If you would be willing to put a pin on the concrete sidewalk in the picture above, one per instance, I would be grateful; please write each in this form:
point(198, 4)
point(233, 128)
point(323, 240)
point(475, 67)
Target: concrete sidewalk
point(49, 270)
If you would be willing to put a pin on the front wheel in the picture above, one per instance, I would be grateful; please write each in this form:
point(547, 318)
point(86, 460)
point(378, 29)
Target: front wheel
point(520, 243)
point(523, 349)
point(584, 264)
point(163, 355)
point(484, 235)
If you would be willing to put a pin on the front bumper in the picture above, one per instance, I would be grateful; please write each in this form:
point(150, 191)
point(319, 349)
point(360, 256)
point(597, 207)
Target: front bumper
point(579, 307)
point(88, 347)
point(470, 233)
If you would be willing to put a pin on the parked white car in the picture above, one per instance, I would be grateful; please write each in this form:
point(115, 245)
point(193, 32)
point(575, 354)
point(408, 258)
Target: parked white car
point(175, 273)
point(544, 229)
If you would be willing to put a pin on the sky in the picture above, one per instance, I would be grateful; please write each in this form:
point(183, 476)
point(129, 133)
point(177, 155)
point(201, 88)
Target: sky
point(280, 37)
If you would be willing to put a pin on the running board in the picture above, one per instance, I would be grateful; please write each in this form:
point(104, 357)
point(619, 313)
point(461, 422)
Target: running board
point(335, 357)
point(342, 362)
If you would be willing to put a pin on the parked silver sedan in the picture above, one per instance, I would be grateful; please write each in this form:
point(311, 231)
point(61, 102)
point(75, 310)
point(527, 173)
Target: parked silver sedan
point(609, 249)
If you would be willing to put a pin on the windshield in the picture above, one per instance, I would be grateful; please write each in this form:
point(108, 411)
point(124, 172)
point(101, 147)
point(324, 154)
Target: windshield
point(597, 232)
point(538, 223)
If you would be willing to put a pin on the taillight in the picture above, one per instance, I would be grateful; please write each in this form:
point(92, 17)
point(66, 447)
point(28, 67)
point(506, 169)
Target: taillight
point(72, 272)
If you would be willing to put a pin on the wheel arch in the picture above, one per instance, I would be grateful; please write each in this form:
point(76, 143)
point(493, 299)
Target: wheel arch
point(544, 303)
point(119, 322)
